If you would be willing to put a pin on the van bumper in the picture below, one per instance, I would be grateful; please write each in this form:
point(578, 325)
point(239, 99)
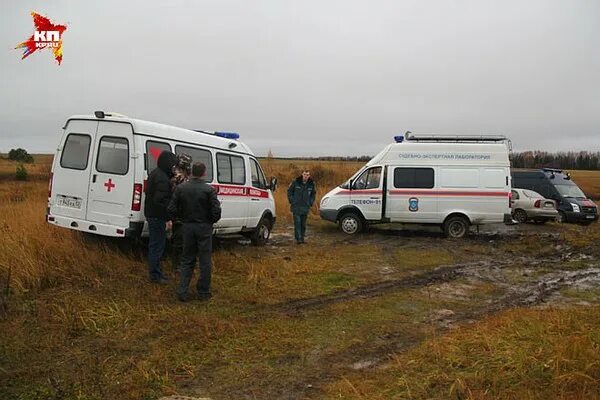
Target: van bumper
point(87, 226)
point(580, 216)
point(328, 214)
point(135, 230)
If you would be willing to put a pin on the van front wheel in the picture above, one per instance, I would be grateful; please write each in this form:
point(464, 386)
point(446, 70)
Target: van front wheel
point(351, 223)
point(456, 227)
point(261, 234)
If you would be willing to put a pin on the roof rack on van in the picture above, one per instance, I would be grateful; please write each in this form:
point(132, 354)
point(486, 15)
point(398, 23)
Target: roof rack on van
point(554, 171)
point(409, 136)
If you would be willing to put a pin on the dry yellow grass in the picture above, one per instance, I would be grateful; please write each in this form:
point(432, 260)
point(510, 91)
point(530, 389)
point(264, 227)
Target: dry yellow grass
point(520, 354)
point(589, 182)
point(39, 170)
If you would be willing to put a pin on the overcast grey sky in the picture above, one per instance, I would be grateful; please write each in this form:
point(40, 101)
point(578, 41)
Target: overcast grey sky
point(311, 77)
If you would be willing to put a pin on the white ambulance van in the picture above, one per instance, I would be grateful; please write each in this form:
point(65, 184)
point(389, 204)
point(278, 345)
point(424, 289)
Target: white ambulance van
point(102, 163)
point(450, 181)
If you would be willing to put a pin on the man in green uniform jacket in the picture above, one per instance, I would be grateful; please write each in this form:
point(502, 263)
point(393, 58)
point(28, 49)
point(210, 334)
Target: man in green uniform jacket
point(301, 195)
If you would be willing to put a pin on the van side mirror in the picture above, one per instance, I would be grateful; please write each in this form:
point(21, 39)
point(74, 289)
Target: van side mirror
point(273, 184)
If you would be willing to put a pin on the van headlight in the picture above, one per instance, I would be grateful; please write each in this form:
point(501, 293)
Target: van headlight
point(324, 201)
point(575, 207)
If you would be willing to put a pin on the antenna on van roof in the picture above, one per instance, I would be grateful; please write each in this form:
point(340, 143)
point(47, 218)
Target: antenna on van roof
point(411, 137)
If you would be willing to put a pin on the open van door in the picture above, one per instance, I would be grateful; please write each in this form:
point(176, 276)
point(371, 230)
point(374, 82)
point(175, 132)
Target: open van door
point(72, 169)
point(112, 175)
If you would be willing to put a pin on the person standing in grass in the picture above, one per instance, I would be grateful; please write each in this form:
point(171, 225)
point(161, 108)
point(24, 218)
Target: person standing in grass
point(301, 196)
point(158, 195)
point(181, 174)
point(196, 204)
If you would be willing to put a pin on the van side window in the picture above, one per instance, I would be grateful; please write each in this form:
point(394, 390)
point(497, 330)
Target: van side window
point(230, 169)
point(153, 150)
point(198, 155)
point(413, 178)
point(76, 152)
point(368, 180)
point(113, 155)
point(258, 178)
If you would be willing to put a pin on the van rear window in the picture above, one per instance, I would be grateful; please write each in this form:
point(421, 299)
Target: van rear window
point(76, 151)
point(413, 178)
point(113, 155)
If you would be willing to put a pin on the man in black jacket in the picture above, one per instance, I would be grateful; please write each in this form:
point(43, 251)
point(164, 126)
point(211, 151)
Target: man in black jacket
point(195, 202)
point(158, 195)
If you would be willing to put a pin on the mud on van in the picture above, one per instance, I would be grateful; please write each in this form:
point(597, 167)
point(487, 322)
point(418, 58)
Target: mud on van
point(450, 181)
point(101, 165)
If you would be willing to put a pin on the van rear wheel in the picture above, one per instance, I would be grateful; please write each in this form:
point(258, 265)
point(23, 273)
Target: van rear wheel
point(261, 234)
point(456, 227)
point(351, 223)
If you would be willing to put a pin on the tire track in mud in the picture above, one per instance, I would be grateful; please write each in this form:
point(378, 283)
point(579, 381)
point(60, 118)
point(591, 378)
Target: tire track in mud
point(445, 273)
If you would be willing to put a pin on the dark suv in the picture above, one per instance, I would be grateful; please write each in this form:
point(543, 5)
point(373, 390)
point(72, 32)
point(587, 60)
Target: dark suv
point(572, 203)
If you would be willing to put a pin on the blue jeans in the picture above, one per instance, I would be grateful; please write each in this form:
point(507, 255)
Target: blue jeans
point(299, 227)
point(156, 247)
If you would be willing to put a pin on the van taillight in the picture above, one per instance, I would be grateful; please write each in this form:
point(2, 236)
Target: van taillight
point(136, 203)
point(50, 185)
point(537, 203)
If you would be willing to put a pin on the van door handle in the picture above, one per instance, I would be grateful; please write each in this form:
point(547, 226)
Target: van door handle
point(254, 199)
point(94, 178)
point(374, 198)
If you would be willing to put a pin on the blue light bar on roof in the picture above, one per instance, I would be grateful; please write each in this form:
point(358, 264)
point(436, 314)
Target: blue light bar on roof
point(228, 135)
point(399, 139)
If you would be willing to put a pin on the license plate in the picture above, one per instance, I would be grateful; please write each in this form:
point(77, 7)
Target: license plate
point(589, 216)
point(71, 202)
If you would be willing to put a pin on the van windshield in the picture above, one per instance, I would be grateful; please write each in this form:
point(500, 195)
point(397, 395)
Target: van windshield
point(569, 191)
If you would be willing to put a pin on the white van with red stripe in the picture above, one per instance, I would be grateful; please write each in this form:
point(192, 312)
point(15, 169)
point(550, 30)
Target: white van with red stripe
point(102, 163)
point(451, 181)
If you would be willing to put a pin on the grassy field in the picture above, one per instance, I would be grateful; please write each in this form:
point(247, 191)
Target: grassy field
point(339, 318)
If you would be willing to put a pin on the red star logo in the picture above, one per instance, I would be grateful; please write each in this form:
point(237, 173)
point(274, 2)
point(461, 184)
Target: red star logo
point(46, 35)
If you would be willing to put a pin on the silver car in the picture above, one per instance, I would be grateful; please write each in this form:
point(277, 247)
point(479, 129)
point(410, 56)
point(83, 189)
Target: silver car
point(528, 205)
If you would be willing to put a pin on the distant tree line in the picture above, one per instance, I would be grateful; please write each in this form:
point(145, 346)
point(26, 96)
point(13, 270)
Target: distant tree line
point(563, 160)
point(526, 159)
point(325, 158)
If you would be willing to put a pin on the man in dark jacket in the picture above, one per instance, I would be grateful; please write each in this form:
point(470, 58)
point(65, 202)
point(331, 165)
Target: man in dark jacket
point(196, 204)
point(158, 195)
point(301, 195)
